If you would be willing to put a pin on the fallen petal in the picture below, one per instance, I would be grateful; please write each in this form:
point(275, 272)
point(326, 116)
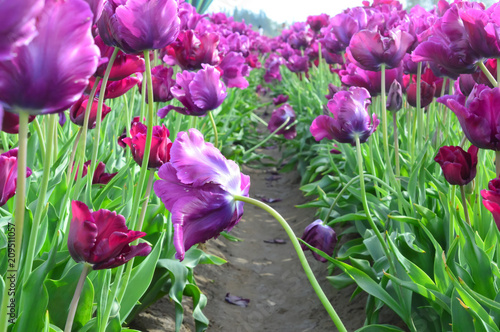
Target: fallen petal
point(236, 300)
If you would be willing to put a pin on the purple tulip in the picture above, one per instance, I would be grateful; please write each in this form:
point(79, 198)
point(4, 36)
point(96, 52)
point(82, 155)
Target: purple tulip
point(199, 92)
point(8, 175)
point(50, 73)
point(491, 199)
point(459, 167)
point(139, 25)
point(369, 49)
point(101, 238)
point(188, 16)
point(18, 24)
point(346, 24)
point(197, 187)
point(77, 112)
point(123, 66)
point(9, 122)
point(395, 97)
point(238, 43)
point(466, 83)
point(280, 99)
point(321, 237)
point(317, 22)
point(446, 45)
point(483, 31)
point(278, 117)
point(298, 64)
point(426, 94)
point(350, 118)
point(370, 80)
point(100, 177)
point(272, 65)
point(162, 83)
point(96, 7)
point(160, 144)
point(478, 115)
point(234, 69)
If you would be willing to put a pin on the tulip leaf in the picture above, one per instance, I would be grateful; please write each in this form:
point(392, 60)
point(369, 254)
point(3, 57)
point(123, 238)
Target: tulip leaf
point(59, 301)
point(379, 328)
point(461, 320)
point(140, 279)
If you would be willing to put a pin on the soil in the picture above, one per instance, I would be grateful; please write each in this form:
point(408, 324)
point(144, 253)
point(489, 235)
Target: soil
point(268, 274)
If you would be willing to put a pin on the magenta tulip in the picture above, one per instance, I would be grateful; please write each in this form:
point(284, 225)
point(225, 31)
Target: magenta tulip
point(282, 114)
point(459, 167)
point(8, 175)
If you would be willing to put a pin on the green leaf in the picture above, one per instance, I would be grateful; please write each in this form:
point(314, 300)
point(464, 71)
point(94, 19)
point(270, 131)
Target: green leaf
point(379, 328)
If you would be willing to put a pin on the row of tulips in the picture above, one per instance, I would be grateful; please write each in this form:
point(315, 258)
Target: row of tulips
point(425, 251)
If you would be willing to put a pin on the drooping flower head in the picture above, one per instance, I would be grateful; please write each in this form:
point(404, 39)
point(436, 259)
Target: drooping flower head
point(282, 114)
point(18, 24)
point(197, 187)
point(8, 175)
point(321, 237)
point(459, 167)
point(199, 92)
point(101, 238)
point(478, 115)
point(49, 74)
point(350, 118)
point(139, 25)
point(160, 144)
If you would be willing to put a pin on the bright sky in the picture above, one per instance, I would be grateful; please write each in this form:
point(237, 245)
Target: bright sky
point(286, 10)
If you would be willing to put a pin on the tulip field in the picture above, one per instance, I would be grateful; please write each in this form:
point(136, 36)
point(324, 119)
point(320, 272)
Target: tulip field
point(127, 127)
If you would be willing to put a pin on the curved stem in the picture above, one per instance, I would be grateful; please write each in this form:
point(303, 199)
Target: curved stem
point(487, 73)
point(98, 121)
point(30, 254)
point(267, 138)
point(303, 260)
point(214, 126)
point(464, 204)
point(76, 297)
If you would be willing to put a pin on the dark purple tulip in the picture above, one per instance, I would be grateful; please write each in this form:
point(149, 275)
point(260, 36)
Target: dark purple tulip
point(123, 66)
point(101, 238)
point(280, 99)
point(100, 177)
point(317, 22)
point(139, 25)
point(160, 144)
point(199, 92)
point(253, 60)
point(369, 49)
point(9, 122)
point(480, 77)
point(188, 16)
point(162, 83)
point(197, 187)
point(238, 43)
point(321, 237)
point(478, 115)
point(190, 51)
point(234, 69)
point(370, 80)
point(115, 89)
point(482, 31)
point(298, 64)
point(77, 112)
point(278, 118)
point(272, 65)
point(395, 97)
point(350, 118)
point(346, 24)
point(446, 45)
point(491, 199)
point(426, 94)
point(300, 40)
point(18, 24)
point(459, 167)
point(8, 175)
point(466, 83)
point(50, 73)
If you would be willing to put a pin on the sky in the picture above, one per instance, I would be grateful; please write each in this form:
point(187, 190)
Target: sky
point(286, 10)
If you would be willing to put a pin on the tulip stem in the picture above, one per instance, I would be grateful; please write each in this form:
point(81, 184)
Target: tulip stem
point(71, 165)
point(267, 138)
point(98, 121)
point(420, 113)
point(303, 260)
point(396, 144)
point(464, 203)
point(487, 73)
point(76, 297)
point(40, 137)
point(497, 163)
point(214, 126)
point(30, 254)
point(451, 229)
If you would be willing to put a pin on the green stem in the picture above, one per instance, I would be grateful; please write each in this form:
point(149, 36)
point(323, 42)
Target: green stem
point(30, 254)
point(268, 137)
point(38, 130)
point(111, 297)
point(144, 208)
point(451, 229)
point(76, 297)
point(365, 205)
point(303, 260)
point(396, 144)
point(214, 126)
point(420, 114)
point(69, 171)
point(487, 73)
point(464, 203)
point(98, 121)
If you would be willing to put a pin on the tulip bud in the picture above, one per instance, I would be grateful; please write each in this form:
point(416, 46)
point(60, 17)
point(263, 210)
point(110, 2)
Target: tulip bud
point(321, 237)
point(395, 97)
